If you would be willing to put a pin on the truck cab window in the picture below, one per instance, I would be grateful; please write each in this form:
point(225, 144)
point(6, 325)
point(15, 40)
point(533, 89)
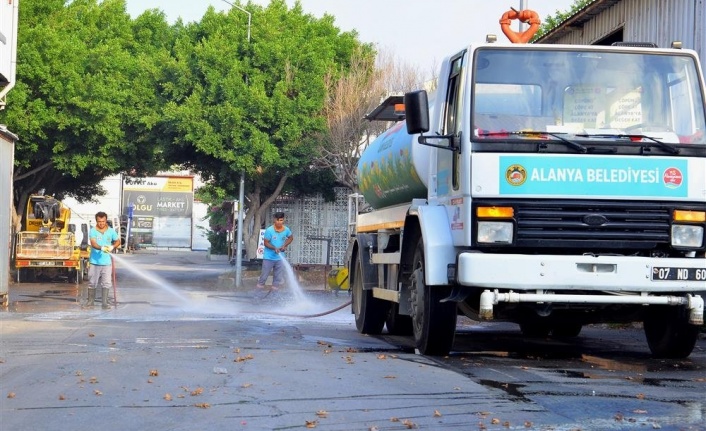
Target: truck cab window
point(451, 114)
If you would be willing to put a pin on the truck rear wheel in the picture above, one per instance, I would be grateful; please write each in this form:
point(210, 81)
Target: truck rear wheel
point(567, 330)
point(668, 332)
point(433, 321)
point(398, 324)
point(370, 312)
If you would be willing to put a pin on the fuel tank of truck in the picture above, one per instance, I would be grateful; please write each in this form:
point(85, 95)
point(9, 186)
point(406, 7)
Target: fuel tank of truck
point(394, 168)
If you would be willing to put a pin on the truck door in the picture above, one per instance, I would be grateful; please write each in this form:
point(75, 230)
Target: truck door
point(447, 172)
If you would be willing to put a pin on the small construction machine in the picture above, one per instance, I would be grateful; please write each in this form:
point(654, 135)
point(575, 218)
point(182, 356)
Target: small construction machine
point(47, 248)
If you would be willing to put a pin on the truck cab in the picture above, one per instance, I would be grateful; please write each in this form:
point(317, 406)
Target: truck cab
point(565, 185)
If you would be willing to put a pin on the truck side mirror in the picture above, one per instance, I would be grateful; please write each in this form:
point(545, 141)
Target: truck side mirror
point(416, 107)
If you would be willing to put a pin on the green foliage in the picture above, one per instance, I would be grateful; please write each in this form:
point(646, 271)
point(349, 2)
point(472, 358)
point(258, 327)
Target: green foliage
point(253, 105)
point(99, 93)
point(220, 223)
point(550, 22)
point(84, 105)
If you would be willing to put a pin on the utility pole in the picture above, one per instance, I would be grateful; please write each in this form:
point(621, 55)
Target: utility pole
point(241, 193)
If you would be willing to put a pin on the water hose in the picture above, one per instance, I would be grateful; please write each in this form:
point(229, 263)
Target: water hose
point(305, 316)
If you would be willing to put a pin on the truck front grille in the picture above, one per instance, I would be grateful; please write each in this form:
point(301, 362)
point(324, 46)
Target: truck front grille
point(592, 226)
point(623, 225)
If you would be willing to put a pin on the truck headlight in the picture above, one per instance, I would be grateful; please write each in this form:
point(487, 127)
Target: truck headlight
point(687, 235)
point(495, 232)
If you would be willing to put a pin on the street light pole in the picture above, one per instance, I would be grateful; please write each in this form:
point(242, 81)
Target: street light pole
point(242, 10)
point(241, 194)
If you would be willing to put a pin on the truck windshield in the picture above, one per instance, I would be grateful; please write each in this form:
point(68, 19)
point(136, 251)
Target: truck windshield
point(587, 94)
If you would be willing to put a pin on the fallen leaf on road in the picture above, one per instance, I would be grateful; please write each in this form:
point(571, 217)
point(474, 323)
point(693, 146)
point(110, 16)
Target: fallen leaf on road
point(495, 421)
point(409, 424)
point(79, 373)
point(506, 424)
point(243, 358)
point(528, 424)
point(61, 397)
point(322, 413)
point(11, 395)
point(202, 405)
point(154, 373)
point(382, 356)
point(311, 424)
point(93, 380)
point(437, 414)
point(149, 381)
point(394, 419)
point(327, 351)
point(168, 397)
point(91, 334)
point(351, 350)
point(390, 377)
point(246, 385)
point(197, 391)
point(98, 393)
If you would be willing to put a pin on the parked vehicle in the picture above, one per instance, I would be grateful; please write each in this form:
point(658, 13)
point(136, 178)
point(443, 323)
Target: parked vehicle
point(553, 186)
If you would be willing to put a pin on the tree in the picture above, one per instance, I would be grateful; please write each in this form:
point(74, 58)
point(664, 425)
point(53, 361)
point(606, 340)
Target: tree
point(84, 102)
point(252, 106)
point(550, 22)
point(351, 94)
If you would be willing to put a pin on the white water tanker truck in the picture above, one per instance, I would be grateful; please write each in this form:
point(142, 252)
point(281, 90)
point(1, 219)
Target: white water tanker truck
point(553, 186)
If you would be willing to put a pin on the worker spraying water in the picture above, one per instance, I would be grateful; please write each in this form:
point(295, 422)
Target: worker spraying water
point(103, 240)
point(277, 238)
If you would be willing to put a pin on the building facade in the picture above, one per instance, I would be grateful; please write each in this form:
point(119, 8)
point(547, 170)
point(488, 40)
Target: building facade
point(603, 22)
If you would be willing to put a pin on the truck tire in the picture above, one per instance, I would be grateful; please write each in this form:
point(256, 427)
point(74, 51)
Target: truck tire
point(535, 327)
point(433, 321)
point(567, 330)
point(668, 332)
point(370, 312)
point(398, 324)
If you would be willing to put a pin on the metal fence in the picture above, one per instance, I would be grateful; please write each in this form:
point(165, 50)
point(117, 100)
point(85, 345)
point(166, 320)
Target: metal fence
point(319, 227)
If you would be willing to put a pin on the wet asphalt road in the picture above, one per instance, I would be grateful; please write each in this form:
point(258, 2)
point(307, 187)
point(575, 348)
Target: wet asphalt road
point(183, 350)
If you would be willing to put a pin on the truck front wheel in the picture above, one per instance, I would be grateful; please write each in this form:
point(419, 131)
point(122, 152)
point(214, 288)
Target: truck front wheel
point(668, 332)
point(433, 321)
point(370, 312)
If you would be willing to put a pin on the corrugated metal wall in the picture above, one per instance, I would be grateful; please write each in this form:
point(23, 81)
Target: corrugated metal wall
point(7, 158)
point(658, 21)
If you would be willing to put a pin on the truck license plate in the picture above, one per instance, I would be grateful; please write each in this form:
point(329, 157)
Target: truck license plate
point(660, 273)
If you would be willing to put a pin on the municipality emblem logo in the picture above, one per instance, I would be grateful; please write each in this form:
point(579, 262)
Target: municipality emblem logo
point(515, 175)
